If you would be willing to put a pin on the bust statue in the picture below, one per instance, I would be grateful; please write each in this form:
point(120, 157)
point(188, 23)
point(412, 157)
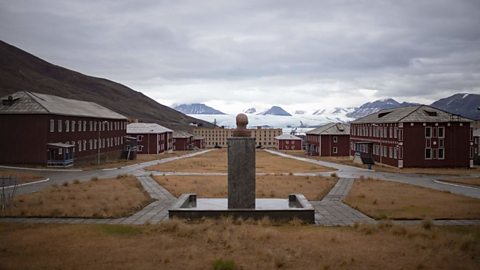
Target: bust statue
point(241, 130)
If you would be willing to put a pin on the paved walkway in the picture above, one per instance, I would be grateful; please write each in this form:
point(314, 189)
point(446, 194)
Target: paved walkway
point(331, 211)
point(428, 181)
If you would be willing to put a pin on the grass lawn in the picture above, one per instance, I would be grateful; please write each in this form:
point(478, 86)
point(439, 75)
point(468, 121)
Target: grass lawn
point(140, 158)
point(268, 186)
point(471, 181)
point(383, 199)
point(381, 168)
point(22, 177)
point(117, 197)
point(216, 161)
point(213, 244)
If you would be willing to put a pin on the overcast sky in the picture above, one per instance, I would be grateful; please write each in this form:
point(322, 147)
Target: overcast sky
point(301, 55)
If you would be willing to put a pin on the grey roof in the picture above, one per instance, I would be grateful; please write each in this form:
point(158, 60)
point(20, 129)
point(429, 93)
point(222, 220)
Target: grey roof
point(146, 128)
point(331, 129)
point(419, 113)
point(34, 103)
point(181, 134)
point(287, 137)
point(198, 137)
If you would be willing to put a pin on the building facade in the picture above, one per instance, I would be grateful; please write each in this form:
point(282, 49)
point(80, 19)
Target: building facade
point(416, 136)
point(46, 129)
point(332, 139)
point(217, 137)
point(288, 142)
point(152, 138)
point(199, 142)
point(182, 141)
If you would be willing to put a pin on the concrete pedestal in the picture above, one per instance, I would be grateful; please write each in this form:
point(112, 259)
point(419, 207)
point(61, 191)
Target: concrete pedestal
point(241, 173)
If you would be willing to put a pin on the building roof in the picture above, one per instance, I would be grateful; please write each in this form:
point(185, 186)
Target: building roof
point(331, 129)
point(181, 134)
point(25, 102)
point(146, 128)
point(198, 137)
point(287, 137)
point(419, 113)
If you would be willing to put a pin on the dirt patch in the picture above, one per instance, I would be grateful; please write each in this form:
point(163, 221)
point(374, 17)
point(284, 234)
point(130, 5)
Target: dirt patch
point(117, 197)
point(216, 161)
point(242, 245)
point(383, 199)
point(268, 186)
point(470, 181)
point(22, 177)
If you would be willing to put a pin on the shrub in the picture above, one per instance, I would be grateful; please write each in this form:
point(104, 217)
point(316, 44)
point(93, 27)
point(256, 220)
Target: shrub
point(76, 181)
point(94, 179)
point(427, 224)
point(334, 175)
point(221, 264)
point(65, 184)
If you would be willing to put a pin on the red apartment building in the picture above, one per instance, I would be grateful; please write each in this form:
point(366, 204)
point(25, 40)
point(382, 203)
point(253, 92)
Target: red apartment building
point(416, 136)
point(332, 139)
point(151, 138)
point(46, 129)
point(199, 142)
point(182, 140)
point(288, 142)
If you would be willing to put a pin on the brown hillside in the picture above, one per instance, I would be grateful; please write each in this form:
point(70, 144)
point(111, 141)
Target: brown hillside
point(21, 71)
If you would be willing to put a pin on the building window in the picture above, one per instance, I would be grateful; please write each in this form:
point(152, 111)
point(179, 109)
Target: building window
point(79, 146)
point(441, 132)
point(400, 152)
point(52, 125)
point(428, 132)
point(140, 138)
point(385, 131)
point(67, 126)
point(73, 126)
point(84, 127)
point(59, 125)
point(390, 152)
point(140, 148)
point(428, 153)
point(84, 144)
point(390, 132)
point(335, 150)
point(428, 143)
point(335, 139)
point(441, 153)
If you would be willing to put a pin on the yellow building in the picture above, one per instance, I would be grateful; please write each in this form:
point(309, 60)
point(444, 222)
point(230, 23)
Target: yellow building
point(265, 137)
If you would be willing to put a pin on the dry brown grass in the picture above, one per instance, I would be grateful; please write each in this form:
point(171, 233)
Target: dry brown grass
point(267, 186)
point(383, 199)
point(140, 158)
point(472, 181)
point(383, 168)
point(98, 198)
point(216, 161)
point(23, 177)
point(177, 245)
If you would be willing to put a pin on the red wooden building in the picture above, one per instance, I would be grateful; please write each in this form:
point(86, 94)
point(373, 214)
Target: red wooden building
point(152, 138)
point(332, 139)
point(416, 136)
point(182, 140)
point(199, 142)
point(46, 129)
point(288, 142)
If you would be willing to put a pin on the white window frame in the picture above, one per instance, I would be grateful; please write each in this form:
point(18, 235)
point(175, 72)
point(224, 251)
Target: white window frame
point(67, 126)
point(442, 156)
point(335, 139)
point(52, 125)
point(59, 124)
point(335, 150)
point(428, 128)
point(425, 153)
point(73, 125)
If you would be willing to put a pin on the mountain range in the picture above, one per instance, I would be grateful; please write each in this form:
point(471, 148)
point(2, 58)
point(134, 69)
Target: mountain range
point(21, 71)
point(462, 104)
point(196, 108)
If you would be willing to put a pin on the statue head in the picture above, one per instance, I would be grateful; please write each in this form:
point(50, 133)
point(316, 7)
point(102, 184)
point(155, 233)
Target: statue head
point(241, 130)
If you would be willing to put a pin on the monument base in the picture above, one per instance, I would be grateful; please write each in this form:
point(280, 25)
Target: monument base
point(295, 207)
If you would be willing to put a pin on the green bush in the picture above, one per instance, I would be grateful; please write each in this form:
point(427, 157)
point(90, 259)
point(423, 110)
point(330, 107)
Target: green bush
point(221, 264)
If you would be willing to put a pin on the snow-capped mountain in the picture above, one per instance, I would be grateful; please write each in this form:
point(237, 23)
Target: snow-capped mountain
point(334, 111)
point(196, 108)
point(463, 104)
point(275, 110)
point(250, 110)
point(375, 106)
